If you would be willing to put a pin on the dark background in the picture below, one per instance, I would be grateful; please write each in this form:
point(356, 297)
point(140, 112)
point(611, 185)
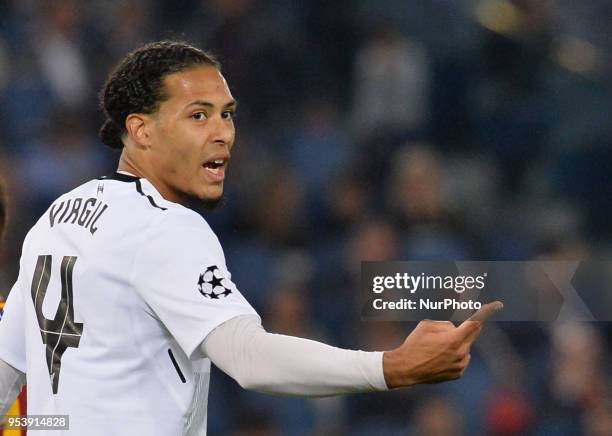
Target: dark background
point(367, 130)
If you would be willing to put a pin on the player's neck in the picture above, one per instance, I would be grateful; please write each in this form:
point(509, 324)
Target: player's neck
point(126, 165)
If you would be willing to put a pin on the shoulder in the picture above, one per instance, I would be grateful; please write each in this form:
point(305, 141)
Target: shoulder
point(177, 241)
point(184, 229)
point(177, 216)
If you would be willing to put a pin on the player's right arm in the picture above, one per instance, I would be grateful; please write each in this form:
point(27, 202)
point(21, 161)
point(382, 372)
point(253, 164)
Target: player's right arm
point(12, 343)
point(286, 365)
point(11, 382)
point(289, 365)
point(180, 272)
point(12, 350)
point(11, 379)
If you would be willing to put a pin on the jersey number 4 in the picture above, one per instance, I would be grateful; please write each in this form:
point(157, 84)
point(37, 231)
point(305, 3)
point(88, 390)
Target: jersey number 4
point(62, 331)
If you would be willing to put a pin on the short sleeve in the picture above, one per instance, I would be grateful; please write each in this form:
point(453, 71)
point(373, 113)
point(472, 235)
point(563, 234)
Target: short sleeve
point(12, 328)
point(180, 272)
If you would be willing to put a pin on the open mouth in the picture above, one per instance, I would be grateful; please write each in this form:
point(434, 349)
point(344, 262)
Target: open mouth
point(216, 169)
point(215, 165)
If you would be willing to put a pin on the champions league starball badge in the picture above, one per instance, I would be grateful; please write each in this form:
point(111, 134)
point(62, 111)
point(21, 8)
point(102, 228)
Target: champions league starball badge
point(211, 284)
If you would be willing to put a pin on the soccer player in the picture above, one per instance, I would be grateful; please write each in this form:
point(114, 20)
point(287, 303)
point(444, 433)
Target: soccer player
point(2, 210)
point(14, 381)
point(123, 297)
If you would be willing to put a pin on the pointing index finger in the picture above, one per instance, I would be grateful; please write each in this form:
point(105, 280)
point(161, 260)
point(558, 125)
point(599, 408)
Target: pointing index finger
point(472, 325)
point(486, 312)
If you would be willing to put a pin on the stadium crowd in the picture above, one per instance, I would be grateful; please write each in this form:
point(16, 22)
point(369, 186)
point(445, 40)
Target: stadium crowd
point(367, 130)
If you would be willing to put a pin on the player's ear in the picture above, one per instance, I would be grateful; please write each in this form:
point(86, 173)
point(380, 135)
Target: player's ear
point(138, 128)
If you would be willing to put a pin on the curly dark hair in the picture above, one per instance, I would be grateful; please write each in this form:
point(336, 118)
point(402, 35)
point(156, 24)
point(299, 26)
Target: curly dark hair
point(136, 84)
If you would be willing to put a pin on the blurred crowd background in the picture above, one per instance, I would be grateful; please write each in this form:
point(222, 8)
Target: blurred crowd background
point(367, 130)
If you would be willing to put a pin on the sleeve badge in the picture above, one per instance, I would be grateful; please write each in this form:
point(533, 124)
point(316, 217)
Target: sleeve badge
point(213, 285)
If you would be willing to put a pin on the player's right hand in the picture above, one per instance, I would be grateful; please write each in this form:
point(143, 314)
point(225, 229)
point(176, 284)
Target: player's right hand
point(435, 351)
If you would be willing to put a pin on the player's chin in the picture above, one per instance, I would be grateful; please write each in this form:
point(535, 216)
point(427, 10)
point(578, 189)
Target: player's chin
point(211, 197)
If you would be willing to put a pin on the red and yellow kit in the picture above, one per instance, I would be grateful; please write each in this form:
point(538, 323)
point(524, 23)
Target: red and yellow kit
point(18, 408)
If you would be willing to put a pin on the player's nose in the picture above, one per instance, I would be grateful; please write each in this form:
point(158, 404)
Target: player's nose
point(222, 132)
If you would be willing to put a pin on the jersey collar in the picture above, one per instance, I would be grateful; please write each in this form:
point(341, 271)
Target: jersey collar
point(123, 176)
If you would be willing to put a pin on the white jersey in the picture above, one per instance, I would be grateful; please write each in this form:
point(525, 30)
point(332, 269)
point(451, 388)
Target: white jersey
point(116, 291)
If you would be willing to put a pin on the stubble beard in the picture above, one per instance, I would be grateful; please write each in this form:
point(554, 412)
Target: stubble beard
point(203, 203)
point(206, 204)
point(211, 204)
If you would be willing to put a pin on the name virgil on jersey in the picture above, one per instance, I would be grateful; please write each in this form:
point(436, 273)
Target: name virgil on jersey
point(79, 211)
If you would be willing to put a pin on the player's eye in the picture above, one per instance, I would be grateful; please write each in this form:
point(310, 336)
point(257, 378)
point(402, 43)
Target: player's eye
point(199, 116)
point(229, 115)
